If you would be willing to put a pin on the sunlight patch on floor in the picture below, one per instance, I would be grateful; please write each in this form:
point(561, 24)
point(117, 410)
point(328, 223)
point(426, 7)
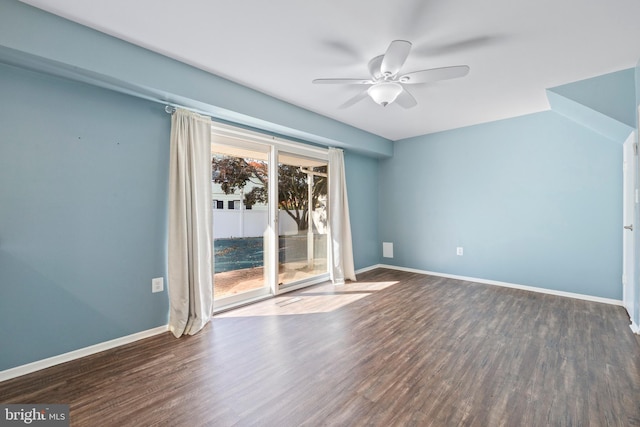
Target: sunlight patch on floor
point(316, 299)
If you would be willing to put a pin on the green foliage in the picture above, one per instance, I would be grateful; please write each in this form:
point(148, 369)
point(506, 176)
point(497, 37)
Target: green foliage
point(234, 173)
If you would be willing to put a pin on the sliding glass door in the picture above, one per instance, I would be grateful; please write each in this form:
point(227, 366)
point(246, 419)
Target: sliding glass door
point(239, 179)
point(302, 194)
point(269, 201)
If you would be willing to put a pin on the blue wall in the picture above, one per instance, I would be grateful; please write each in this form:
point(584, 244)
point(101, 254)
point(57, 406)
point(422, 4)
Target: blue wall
point(535, 200)
point(610, 94)
point(361, 175)
point(82, 215)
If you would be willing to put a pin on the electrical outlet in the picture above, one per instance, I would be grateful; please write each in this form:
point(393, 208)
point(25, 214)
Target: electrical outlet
point(459, 251)
point(157, 284)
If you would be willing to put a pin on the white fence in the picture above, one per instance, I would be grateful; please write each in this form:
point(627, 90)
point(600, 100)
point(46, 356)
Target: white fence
point(228, 223)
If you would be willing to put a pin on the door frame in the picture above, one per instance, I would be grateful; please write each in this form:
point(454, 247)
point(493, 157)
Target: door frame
point(629, 201)
point(235, 136)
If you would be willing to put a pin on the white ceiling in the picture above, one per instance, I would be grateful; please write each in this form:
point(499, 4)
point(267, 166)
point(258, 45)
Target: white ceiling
point(516, 49)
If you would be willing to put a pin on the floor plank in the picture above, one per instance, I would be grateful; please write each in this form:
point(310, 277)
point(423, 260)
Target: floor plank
point(394, 348)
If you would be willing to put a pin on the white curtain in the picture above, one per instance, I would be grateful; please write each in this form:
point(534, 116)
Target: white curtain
point(340, 247)
point(190, 259)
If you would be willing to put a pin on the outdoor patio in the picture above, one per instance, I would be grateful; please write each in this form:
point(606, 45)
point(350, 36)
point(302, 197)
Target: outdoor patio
point(237, 281)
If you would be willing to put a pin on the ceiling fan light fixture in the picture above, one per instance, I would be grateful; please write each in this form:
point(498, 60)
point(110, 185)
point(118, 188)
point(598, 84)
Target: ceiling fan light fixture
point(384, 93)
point(386, 84)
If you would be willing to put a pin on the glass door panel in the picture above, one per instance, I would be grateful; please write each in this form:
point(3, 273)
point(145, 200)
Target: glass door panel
point(239, 180)
point(302, 218)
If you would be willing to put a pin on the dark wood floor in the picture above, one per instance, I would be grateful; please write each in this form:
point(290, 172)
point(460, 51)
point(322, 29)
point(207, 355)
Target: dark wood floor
point(394, 348)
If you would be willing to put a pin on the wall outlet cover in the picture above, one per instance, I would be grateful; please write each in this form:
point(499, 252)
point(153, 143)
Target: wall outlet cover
point(387, 249)
point(157, 284)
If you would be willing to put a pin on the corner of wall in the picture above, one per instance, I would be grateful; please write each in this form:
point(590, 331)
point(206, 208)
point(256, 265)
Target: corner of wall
point(582, 114)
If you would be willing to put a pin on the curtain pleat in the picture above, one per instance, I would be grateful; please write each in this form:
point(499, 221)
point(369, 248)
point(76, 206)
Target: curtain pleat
point(340, 246)
point(189, 253)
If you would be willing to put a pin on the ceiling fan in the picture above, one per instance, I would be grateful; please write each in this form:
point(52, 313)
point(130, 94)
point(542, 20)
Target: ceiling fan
point(386, 84)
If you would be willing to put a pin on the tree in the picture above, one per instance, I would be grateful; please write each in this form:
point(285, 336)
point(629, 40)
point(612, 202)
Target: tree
point(234, 173)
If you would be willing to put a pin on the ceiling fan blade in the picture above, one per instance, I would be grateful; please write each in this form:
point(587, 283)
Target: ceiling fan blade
point(342, 81)
point(406, 100)
point(434, 74)
point(374, 67)
point(394, 58)
point(459, 45)
point(354, 100)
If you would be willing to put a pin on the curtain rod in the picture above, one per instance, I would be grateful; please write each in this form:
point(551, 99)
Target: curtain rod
point(235, 128)
point(170, 109)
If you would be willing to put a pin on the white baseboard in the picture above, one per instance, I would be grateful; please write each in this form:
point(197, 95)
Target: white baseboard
point(507, 285)
point(371, 267)
point(634, 328)
point(76, 354)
